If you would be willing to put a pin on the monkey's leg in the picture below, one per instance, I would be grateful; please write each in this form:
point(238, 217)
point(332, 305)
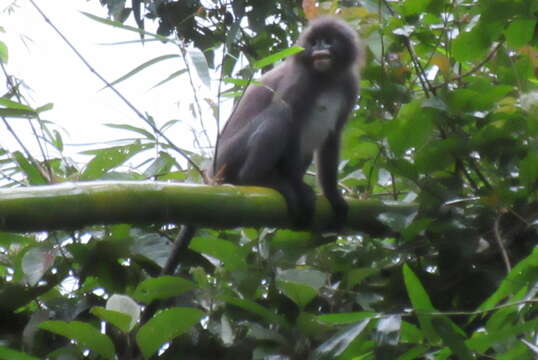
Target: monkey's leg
point(327, 167)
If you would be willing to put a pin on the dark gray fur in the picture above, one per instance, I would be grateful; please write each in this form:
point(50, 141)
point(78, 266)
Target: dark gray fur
point(298, 113)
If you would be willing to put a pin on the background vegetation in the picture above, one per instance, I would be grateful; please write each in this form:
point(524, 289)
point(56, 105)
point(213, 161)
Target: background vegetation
point(447, 119)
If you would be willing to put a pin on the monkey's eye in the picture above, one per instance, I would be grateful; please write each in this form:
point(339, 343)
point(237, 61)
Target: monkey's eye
point(322, 43)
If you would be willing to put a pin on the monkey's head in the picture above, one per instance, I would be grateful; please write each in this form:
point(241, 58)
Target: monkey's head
point(331, 46)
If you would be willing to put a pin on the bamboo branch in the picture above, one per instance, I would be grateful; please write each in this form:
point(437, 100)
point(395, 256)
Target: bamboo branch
point(75, 205)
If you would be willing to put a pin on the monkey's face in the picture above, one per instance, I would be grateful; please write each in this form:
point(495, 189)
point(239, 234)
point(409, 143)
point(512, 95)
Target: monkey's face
point(330, 47)
point(326, 54)
point(321, 54)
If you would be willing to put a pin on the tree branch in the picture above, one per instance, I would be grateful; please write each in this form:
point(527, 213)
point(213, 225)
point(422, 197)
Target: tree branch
point(75, 205)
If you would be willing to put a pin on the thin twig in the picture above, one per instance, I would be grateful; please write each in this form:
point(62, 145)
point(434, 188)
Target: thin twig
point(446, 313)
point(474, 69)
point(478, 312)
point(15, 89)
point(498, 238)
point(460, 165)
point(426, 86)
point(18, 140)
point(219, 96)
point(115, 91)
point(478, 172)
point(196, 99)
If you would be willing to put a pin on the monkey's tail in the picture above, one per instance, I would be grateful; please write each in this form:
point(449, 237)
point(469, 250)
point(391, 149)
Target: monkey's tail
point(181, 243)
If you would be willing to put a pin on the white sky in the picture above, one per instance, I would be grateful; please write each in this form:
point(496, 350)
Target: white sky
point(53, 74)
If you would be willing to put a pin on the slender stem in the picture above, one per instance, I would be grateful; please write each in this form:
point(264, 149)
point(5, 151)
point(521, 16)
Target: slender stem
point(116, 92)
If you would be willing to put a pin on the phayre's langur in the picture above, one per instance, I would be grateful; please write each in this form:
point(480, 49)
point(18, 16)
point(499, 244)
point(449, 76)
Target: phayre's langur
point(297, 113)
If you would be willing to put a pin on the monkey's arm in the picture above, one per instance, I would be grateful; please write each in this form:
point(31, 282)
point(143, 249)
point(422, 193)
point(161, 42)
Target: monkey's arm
point(269, 136)
point(272, 161)
point(254, 101)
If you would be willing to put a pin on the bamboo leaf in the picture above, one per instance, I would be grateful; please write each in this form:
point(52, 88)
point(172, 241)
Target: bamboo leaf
point(143, 66)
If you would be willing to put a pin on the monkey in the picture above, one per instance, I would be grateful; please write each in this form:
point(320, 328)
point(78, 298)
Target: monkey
point(295, 114)
point(278, 127)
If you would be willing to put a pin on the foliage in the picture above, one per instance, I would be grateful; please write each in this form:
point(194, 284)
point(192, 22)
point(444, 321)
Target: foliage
point(447, 118)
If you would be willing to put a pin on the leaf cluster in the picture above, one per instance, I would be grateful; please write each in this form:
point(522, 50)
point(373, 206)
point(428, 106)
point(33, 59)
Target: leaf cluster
point(447, 119)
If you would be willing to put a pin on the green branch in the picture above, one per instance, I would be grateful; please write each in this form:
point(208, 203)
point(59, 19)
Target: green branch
point(75, 205)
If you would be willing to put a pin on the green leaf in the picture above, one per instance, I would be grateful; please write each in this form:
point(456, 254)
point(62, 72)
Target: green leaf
point(471, 46)
point(160, 166)
point(165, 326)
point(168, 124)
point(299, 293)
point(301, 286)
point(520, 32)
point(415, 228)
point(231, 255)
point(415, 352)
point(120, 320)
point(143, 66)
point(417, 294)
point(453, 339)
point(412, 7)
point(529, 170)
point(345, 318)
point(278, 56)
point(435, 103)
point(232, 94)
point(108, 159)
point(238, 82)
point(8, 239)
point(403, 168)
point(118, 24)
point(200, 64)
point(16, 113)
point(439, 155)
point(134, 129)
point(255, 308)
point(337, 344)
point(33, 174)
point(4, 53)
point(85, 334)
point(57, 140)
point(396, 220)
point(9, 354)
point(480, 95)
point(356, 276)
point(481, 342)
point(172, 76)
point(46, 107)
point(162, 287)
point(125, 305)
point(36, 262)
point(412, 127)
point(421, 302)
point(152, 246)
point(8, 104)
point(410, 333)
point(388, 330)
point(522, 276)
point(360, 149)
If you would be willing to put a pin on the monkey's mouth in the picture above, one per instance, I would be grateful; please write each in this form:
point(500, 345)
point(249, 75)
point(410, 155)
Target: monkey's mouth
point(321, 60)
